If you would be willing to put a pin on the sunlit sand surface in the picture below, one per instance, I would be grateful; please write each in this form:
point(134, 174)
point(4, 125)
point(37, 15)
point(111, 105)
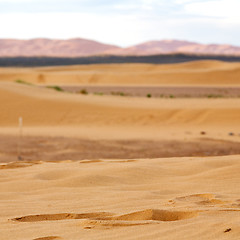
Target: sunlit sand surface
point(167, 198)
point(112, 167)
point(208, 73)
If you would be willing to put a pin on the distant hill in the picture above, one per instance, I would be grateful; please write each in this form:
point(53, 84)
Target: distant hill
point(82, 47)
point(175, 46)
point(52, 48)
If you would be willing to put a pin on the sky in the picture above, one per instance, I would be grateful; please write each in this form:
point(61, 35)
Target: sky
point(122, 22)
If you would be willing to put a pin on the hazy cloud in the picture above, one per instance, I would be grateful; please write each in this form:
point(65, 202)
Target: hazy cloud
point(220, 8)
point(124, 22)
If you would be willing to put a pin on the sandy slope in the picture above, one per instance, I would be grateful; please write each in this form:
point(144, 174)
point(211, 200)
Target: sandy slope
point(113, 117)
point(168, 198)
point(193, 73)
point(177, 198)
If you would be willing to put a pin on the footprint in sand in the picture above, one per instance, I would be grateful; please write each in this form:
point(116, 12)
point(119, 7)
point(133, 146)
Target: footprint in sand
point(201, 199)
point(61, 216)
point(90, 224)
point(157, 215)
point(149, 216)
point(103, 219)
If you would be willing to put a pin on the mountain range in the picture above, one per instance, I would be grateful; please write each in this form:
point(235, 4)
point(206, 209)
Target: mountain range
point(79, 47)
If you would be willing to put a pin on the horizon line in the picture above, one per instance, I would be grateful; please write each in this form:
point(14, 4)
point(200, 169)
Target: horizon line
point(89, 39)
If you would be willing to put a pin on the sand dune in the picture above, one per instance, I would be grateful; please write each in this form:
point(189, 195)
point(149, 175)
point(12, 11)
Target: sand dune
point(177, 198)
point(109, 116)
point(137, 198)
point(193, 73)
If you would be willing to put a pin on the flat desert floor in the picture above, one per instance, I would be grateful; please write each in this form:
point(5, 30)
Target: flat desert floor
point(119, 167)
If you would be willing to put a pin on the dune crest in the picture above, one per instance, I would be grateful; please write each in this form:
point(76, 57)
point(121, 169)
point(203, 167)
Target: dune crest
point(103, 115)
point(196, 73)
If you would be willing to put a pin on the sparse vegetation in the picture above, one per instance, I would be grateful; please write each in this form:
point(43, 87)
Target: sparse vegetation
point(23, 82)
point(119, 93)
point(167, 96)
point(149, 95)
point(57, 88)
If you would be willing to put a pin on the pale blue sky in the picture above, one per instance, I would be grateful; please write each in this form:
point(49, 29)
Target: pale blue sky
point(122, 22)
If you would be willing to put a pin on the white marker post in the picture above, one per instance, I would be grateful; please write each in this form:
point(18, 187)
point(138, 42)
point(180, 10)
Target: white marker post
point(20, 124)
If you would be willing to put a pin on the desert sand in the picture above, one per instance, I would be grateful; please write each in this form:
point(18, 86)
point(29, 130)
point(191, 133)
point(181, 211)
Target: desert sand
point(197, 73)
point(90, 168)
point(176, 198)
point(113, 117)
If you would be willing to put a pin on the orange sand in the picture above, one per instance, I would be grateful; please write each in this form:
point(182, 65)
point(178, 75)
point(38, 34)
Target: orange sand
point(112, 117)
point(174, 198)
point(207, 73)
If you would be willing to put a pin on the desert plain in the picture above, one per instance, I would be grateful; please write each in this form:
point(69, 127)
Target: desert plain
point(91, 163)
